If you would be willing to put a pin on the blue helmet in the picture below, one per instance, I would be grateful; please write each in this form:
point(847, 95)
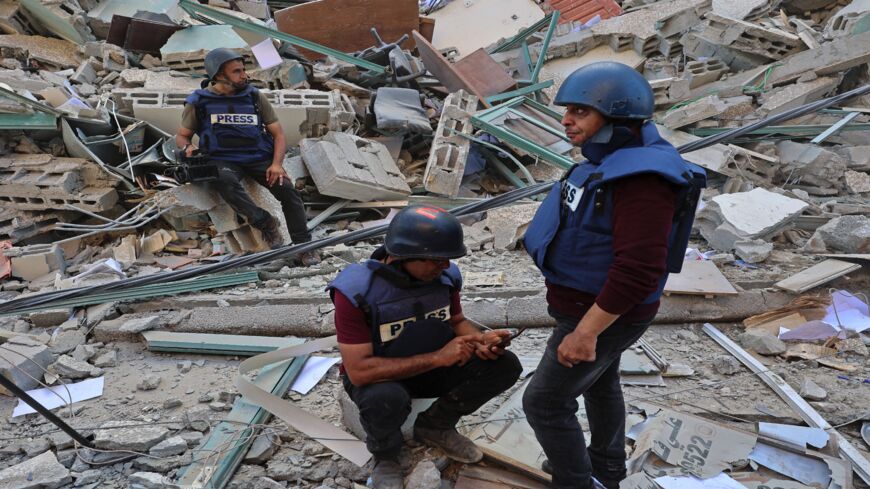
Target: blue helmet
point(614, 89)
point(216, 58)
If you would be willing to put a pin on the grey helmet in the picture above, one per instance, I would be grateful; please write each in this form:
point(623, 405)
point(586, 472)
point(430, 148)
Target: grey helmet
point(216, 58)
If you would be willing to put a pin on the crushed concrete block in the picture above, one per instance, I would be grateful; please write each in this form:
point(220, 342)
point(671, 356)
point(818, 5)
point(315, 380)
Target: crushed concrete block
point(88, 477)
point(138, 325)
point(849, 234)
point(49, 317)
point(169, 447)
point(32, 262)
point(668, 91)
point(849, 19)
point(353, 168)
point(702, 72)
point(857, 182)
point(742, 9)
point(811, 164)
point(696, 46)
point(798, 94)
point(113, 435)
point(753, 250)
point(151, 480)
point(811, 391)
point(508, 224)
point(67, 341)
point(726, 365)
point(40, 472)
point(424, 476)
point(262, 449)
point(69, 368)
point(149, 382)
point(749, 38)
point(22, 358)
point(449, 151)
point(52, 54)
point(698, 110)
point(757, 214)
point(85, 73)
point(831, 58)
point(762, 342)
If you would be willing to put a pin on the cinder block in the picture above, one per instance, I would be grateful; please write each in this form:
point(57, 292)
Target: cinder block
point(22, 360)
point(41, 181)
point(749, 38)
point(669, 91)
point(449, 151)
point(702, 72)
point(353, 168)
point(671, 46)
point(31, 262)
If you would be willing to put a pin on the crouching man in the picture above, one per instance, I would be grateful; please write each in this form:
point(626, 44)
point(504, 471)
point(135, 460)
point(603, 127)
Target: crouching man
point(402, 335)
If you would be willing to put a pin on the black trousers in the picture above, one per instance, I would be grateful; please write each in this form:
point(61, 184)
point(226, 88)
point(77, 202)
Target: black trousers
point(385, 406)
point(229, 186)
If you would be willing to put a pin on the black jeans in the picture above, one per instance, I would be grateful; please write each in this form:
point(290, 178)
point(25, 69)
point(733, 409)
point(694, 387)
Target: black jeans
point(550, 404)
point(385, 406)
point(229, 186)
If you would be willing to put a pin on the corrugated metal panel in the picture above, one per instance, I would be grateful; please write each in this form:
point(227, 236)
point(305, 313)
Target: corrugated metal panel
point(583, 10)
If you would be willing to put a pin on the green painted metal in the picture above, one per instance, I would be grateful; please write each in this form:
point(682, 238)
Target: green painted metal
point(519, 92)
point(521, 40)
point(214, 344)
point(193, 7)
point(153, 290)
point(219, 455)
point(523, 35)
point(484, 120)
point(38, 120)
point(502, 169)
point(21, 99)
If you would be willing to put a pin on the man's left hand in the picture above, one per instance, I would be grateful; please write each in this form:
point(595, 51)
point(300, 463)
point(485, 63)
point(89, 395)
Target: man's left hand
point(494, 344)
point(276, 174)
point(576, 347)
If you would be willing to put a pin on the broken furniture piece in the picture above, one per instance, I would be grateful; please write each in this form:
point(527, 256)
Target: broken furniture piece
point(528, 76)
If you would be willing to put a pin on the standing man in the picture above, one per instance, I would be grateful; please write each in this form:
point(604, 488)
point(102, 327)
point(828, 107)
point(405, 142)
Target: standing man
point(240, 133)
point(402, 335)
point(605, 239)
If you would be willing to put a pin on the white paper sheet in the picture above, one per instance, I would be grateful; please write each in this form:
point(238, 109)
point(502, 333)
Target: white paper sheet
point(266, 54)
point(721, 481)
point(80, 391)
point(852, 319)
point(314, 370)
point(796, 435)
point(851, 311)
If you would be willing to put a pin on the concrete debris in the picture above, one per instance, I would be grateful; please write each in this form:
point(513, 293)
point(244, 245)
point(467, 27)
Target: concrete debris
point(726, 365)
point(753, 250)
point(262, 449)
point(151, 480)
point(762, 342)
point(40, 472)
point(138, 325)
point(149, 382)
point(698, 110)
point(757, 214)
point(126, 435)
point(22, 361)
point(847, 234)
point(508, 224)
point(175, 445)
point(447, 157)
point(425, 476)
point(811, 391)
point(70, 368)
point(857, 182)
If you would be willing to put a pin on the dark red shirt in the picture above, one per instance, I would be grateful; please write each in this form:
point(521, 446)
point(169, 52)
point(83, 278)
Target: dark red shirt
point(643, 211)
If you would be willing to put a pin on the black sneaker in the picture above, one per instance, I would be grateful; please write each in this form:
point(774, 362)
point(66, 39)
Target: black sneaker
point(271, 233)
point(387, 474)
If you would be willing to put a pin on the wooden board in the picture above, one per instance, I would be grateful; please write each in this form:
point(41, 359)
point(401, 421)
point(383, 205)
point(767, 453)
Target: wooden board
point(863, 259)
point(445, 72)
point(345, 24)
point(816, 275)
point(487, 74)
point(699, 277)
point(480, 477)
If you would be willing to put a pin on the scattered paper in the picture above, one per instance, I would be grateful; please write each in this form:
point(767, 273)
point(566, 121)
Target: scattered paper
point(809, 470)
point(847, 311)
point(810, 331)
point(59, 395)
point(799, 436)
point(314, 370)
point(266, 54)
point(721, 481)
point(638, 481)
point(109, 265)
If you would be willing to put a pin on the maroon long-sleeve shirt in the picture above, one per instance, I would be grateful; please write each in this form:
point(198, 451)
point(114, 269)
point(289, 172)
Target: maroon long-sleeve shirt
point(643, 210)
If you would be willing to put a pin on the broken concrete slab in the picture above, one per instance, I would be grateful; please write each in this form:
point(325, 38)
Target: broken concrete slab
point(449, 152)
point(848, 234)
point(175, 445)
point(753, 250)
point(762, 342)
point(22, 360)
point(811, 391)
point(811, 164)
point(117, 435)
point(757, 214)
point(742, 9)
point(748, 37)
point(40, 472)
point(49, 53)
point(69, 368)
point(792, 96)
point(138, 325)
point(67, 341)
point(857, 182)
point(831, 58)
point(690, 113)
point(704, 71)
point(32, 262)
point(508, 224)
point(151, 480)
point(354, 168)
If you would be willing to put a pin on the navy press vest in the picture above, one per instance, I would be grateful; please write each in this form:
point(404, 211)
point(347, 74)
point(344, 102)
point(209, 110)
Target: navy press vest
point(231, 127)
point(570, 239)
point(406, 317)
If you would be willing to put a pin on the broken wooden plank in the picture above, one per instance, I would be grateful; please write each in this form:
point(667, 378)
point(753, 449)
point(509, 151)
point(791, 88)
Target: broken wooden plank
point(860, 464)
point(487, 75)
point(219, 455)
point(445, 72)
point(216, 344)
point(481, 477)
point(699, 277)
point(816, 275)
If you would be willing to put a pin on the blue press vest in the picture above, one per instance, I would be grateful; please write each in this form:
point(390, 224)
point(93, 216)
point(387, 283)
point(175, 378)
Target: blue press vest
point(406, 318)
point(574, 247)
point(231, 127)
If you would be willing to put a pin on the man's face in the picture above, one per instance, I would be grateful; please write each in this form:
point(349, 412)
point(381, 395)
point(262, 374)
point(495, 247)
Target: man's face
point(233, 72)
point(425, 270)
point(581, 123)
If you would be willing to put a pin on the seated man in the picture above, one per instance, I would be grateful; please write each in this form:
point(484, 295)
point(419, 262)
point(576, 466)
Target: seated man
point(402, 335)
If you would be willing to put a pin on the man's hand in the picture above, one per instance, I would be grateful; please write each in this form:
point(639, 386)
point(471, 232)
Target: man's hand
point(494, 343)
point(576, 347)
point(459, 351)
point(276, 174)
point(190, 149)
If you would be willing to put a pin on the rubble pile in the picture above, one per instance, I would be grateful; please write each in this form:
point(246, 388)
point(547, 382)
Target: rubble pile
point(443, 103)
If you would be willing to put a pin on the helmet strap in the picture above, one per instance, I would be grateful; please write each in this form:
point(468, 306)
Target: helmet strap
point(604, 135)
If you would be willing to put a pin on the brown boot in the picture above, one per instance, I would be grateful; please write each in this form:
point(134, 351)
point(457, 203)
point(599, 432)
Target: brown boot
point(271, 233)
point(454, 445)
